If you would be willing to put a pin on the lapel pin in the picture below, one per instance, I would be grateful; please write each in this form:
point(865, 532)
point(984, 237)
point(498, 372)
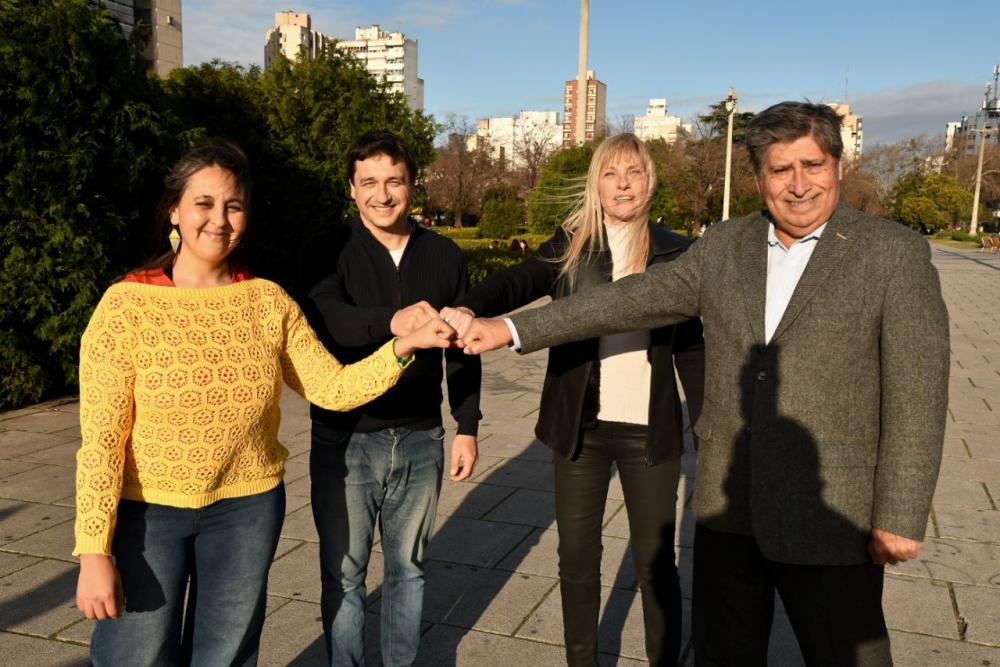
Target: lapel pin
point(841, 236)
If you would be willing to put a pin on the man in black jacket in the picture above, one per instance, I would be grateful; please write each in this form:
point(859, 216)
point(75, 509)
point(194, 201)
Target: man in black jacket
point(384, 460)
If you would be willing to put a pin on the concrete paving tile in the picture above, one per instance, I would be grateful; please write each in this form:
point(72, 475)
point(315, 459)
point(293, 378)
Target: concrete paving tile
point(443, 645)
point(296, 469)
point(19, 519)
point(10, 467)
point(39, 599)
point(60, 455)
point(300, 488)
point(485, 464)
point(42, 484)
point(474, 541)
point(21, 650)
point(56, 542)
point(296, 575)
point(537, 555)
point(521, 474)
point(484, 599)
point(914, 650)
point(299, 525)
point(955, 561)
point(286, 546)
point(526, 507)
point(522, 446)
point(962, 493)
point(983, 470)
point(620, 628)
point(11, 563)
point(915, 605)
point(295, 503)
point(15, 444)
point(980, 607)
point(470, 499)
point(954, 449)
point(43, 421)
point(78, 632)
point(964, 524)
point(293, 635)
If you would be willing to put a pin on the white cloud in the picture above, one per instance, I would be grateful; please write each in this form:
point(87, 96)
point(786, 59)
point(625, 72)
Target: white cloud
point(921, 108)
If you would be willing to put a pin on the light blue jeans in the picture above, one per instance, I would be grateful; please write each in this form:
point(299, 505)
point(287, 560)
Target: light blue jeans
point(225, 550)
point(392, 476)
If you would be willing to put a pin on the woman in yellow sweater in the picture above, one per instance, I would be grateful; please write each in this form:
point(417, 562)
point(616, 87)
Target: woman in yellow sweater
point(179, 475)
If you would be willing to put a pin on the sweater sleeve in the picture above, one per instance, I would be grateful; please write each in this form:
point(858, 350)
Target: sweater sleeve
point(317, 375)
point(107, 379)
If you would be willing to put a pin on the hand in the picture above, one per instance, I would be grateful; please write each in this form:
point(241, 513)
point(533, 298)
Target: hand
point(459, 317)
point(99, 592)
point(889, 548)
point(485, 334)
point(435, 333)
point(409, 319)
point(464, 454)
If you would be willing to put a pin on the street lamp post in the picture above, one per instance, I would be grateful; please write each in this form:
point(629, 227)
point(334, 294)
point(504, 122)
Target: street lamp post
point(974, 225)
point(580, 104)
point(731, 109)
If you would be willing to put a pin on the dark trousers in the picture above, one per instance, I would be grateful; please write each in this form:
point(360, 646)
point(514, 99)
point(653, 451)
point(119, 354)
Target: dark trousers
point(835, 610)
point(650, 500)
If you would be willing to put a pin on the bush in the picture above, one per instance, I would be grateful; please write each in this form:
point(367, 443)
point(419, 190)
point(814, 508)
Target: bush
point(483, 261)
point(560, 183)
point(501, 218)
point(966, 237)
point(81, 153)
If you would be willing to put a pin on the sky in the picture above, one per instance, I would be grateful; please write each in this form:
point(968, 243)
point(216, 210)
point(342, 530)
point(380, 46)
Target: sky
point(907, 67)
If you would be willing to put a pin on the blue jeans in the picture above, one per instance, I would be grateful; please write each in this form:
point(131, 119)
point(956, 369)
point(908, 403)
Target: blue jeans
point(225, 549)
point(393, 476)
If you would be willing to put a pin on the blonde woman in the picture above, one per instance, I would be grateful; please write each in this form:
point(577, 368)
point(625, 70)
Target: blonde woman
point(609, 402)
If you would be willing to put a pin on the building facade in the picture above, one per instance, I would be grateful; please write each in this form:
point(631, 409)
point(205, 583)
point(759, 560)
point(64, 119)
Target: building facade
point(390, 57)
point(851, 131)
point(657, 124)
point(984, 125)
point(165, 49)
point(293, 37)
point(597, 122)
point(512, 140)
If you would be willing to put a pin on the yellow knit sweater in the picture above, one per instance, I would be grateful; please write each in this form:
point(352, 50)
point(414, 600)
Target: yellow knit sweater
point(179, 392)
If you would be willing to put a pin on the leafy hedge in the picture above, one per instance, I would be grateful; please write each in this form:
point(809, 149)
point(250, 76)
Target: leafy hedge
point(88, 135)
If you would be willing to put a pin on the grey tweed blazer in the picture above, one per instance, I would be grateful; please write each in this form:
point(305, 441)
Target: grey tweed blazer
point(833, 427)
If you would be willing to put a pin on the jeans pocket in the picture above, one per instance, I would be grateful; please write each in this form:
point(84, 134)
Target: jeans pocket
point(325, 436)
point(436, 433)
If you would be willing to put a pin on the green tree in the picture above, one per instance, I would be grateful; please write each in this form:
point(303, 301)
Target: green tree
point(81, 151)
point(501, 217)
point(932, 201)
point(663, 208)
point(715, 123)
point(296, 122)
point(560, 185)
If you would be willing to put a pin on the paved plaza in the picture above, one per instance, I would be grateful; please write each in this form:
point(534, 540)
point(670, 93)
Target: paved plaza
point(492, 596)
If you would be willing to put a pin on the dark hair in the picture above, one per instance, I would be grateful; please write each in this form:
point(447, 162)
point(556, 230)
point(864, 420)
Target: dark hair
point(212, 152)
point(381, 142)
point(787, 121)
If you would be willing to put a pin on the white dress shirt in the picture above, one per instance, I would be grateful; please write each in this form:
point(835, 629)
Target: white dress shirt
point(784, 268)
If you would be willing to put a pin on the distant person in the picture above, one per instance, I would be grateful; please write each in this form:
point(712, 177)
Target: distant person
point(827, 359)
point(382, 463)
point(179, 474)
point(609, 401)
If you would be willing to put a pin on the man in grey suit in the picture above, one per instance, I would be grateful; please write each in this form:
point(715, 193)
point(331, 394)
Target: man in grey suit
point(826, 391)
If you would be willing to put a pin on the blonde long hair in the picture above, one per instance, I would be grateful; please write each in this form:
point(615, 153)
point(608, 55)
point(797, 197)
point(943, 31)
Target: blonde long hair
point(585, 224)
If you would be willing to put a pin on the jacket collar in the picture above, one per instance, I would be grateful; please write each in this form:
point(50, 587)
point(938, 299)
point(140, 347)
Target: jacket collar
point(363, 232)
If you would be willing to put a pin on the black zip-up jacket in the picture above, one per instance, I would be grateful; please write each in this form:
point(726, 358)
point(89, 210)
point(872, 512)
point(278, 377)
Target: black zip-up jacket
point(351, 309)
point(570, 395)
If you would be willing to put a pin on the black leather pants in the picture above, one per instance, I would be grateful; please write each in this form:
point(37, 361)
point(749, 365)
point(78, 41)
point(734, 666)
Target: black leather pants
point(650, 500)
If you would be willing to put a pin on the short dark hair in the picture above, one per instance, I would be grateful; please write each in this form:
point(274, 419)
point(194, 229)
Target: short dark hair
point(381, 142)
point(787, 121)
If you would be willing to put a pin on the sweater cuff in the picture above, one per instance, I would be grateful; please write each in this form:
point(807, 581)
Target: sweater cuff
point(92, 545)
point(468, 425)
